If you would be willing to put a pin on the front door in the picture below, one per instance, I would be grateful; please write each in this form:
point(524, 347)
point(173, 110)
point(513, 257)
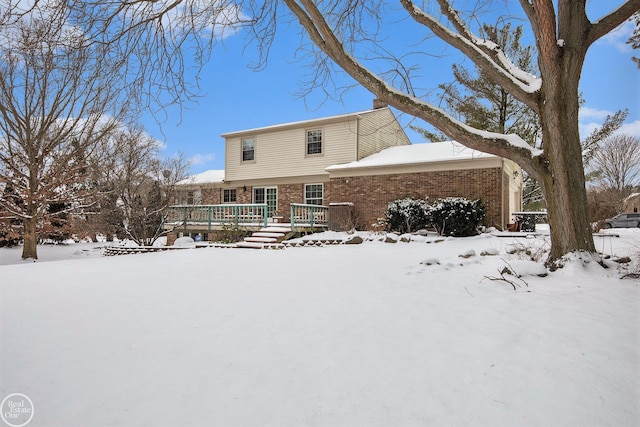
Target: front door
point(268, 195)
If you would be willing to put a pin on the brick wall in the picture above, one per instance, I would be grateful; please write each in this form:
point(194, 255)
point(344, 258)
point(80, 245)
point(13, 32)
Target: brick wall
point(244, 196)
point(211, 195)
point(371, 194)
point(287, 194)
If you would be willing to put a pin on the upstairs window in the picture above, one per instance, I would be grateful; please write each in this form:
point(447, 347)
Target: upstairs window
point(248, 150)
point(229, 195)
point(314, 142)
point(313, 194)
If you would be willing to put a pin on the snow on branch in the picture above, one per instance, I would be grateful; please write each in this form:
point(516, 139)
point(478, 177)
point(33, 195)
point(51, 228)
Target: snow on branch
point(508, 146)
point(520, 83)
point(533, 83)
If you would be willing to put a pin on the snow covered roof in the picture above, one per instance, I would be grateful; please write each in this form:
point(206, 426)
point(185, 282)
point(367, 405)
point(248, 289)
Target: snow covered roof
point(205, 177)
point(416, 154)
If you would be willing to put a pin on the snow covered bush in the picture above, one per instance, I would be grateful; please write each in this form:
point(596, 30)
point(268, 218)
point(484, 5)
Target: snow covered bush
point(453, 216)
point(407, 215)
point(457, 216)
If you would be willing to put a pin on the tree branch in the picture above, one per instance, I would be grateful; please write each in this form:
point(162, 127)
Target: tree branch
point(609, 22)
point(486, 55)
point(508, 146)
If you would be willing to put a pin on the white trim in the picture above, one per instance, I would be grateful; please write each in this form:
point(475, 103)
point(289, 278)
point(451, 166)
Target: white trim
point(304, 189)
point(300, 123)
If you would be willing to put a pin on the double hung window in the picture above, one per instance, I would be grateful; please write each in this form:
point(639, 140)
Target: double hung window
point(314, 142)
point(229, 195)
point(248, 150)
point(313, 194)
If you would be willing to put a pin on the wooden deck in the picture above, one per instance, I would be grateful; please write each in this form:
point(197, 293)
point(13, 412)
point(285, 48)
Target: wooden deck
point(251, 217)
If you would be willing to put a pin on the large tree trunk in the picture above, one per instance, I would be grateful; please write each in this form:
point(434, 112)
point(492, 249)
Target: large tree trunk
point(564, 190)
point(29, 247)
point(562, 171)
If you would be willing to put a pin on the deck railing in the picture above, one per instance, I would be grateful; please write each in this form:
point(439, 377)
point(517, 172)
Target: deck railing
point(215, 215)
point(308, 216)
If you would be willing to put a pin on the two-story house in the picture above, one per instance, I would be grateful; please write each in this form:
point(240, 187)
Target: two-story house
point(287, 163)
point(362, 159)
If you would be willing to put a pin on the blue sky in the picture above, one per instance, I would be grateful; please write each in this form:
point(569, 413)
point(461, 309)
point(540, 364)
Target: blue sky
point(234, 97)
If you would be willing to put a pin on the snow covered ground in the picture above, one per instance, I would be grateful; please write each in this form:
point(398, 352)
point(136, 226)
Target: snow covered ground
point(70, 251)
point(377, 334)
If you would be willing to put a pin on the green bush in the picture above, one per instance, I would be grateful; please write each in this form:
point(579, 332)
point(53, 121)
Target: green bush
point(457, 216)
point(407, 215)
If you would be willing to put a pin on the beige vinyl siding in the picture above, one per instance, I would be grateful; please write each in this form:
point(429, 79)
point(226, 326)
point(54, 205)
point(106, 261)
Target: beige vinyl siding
point(282, 153)
point(514, 171)
point(514, 177)
point(378, 130)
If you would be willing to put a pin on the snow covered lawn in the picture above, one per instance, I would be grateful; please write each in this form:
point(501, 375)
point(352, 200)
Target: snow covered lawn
point(375, 334)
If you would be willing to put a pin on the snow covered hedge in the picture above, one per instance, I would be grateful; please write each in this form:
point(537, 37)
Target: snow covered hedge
point(457, 216)
point(407, 215)
point(452, 216)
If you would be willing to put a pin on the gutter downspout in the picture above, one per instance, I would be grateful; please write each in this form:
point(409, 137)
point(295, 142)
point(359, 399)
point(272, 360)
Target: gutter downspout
point(502, 213)
point(357, 157)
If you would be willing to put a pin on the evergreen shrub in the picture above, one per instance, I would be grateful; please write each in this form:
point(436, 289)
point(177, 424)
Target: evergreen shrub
point(457, 216)
point(407, 215)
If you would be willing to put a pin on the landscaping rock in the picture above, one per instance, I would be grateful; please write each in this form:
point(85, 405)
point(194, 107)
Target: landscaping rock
point(468, 254)
point(353, 240)
point(490, 252)
point(391, 238)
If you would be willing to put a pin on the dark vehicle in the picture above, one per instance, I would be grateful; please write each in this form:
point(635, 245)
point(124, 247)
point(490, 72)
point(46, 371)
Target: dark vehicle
point(625, 220)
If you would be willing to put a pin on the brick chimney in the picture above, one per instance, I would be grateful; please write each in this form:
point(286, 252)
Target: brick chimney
point(378, 103)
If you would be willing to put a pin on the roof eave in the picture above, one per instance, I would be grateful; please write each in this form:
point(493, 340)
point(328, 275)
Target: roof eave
point(283, 126)
point(411, 164)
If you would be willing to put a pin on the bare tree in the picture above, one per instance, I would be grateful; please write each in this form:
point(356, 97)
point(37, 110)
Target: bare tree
point(563, 33)
point(137, 185)
point(72, 72)
point(617, 163)
point(603, 202)
point(56, 90)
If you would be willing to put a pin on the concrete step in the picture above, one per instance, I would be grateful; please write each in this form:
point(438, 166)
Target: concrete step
point(268, 234)
point(249, 245)
point(261, 239)
point(276, 229)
